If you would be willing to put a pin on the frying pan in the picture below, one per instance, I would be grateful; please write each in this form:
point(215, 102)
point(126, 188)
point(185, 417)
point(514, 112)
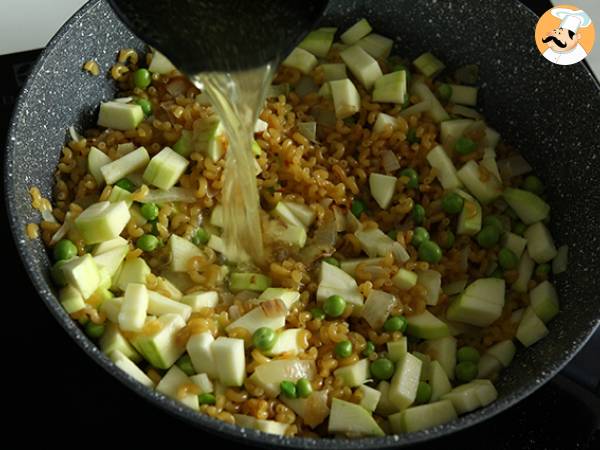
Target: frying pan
point(550, 113)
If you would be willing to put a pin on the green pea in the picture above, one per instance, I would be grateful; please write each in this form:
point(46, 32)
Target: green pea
point(466, 371)
point(418, 214)
point(264, 338)
point(497, 273)
point(126, 184)
point(393, 234)
point(533, 184)
point(94, 330)
point(149, 211)
point(357, 208)
point(185, 364)
point(317, 313)
point(431, 252)
point(542, 270)
point(303, 388)
point(423, 393)
point(411, 136)
point(452, 203)
point(288, 389)
point(147, 242)
point(519, 228)
point(507, 259)
point(467, 353)
point(201, 236)
point(488, 236)
point(369, 349)
point(444, 91)
point(446, 239)
point(420, 235)
point(413, 177)
point(331, 260)
point(382, 369)
point(343, 349)
point(57, 274)
point(64, 250)
point(145, 104)
point(334, 306)
point(464, 146)
point(207, 399)
point(142, 78)
point(493, 221)
point(395, 323)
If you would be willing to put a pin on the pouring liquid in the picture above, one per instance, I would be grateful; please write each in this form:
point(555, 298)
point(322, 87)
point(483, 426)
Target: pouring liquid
point(238, 98)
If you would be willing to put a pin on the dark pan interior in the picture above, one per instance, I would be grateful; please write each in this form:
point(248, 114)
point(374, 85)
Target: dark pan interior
point(550, 113)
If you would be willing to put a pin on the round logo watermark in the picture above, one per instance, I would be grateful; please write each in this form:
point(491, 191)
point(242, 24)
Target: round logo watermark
point(565, 35)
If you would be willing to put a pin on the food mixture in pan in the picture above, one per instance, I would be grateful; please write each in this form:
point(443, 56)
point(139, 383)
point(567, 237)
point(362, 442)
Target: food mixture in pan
point(406, 247)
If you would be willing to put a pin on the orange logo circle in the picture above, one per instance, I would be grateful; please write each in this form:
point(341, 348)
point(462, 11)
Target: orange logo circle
point(565, 35)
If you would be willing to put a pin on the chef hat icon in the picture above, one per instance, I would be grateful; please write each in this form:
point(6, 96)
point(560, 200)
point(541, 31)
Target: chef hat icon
point(572, 20)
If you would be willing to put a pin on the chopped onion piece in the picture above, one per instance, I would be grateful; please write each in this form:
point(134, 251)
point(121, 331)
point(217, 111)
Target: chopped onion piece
point(390, 161)
point(305, 86)
point(416, 108)
point(123, 100)
point(177, 87)
point(316, 410)
point(63, 230)
point(75, 136)
point(175, 194)
point(513, 166)
point(559, 263)
point(463, 111)
point(273, 308)
point(48, 216)
point(456, 287)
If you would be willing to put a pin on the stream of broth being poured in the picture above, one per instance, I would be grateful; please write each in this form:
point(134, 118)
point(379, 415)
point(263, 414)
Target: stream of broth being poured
point(238, 98)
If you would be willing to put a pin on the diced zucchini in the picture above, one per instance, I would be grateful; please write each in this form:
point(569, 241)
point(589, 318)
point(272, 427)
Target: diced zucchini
point(422, 417)
point(181, 251)
point(170, 384)
point(451, 130)
point(426, 360)
point(111, 308)
point(540, 244)
point(397, 349)
point(113, 340)
point(354, 374)
point(438, 380)
point(491, 290)
point(318, 42)
point(391, 88)
point(134, 308)
point(283, 213)
point(346, 99)
point(428, 65)
point(199, 300)
point(120, 116)
point(160, 348)
point(165, 168)
point(158, 305)
point(446, 172)
point(118, 194)
point(377, 308)
point(473, 310)
point(82, 273)
point(289, 297)
point(111, 244)
point(370, 397)
point(379, 47)
point(503, 351)
point(488, 367)
point(302, 212)
point(302, 60)
point(102, 221)
point(334, 281)
point(130, 368)
point(120, 168)
point(485, 191)
point(269, 375)
point(112, 259)
point(544, 301)
point(432, 281)
point(426, 326)
point(436, 110)
point(559, 263)
point(185, 144)
point(362, 65)
point(464, 95)
point(216, 243)
point(247, 281)
point(96, 160)
point(491, 138)
point(288, 342)
point(525, 270)
point(470, 218)
point(456, 287)
point(529, 207)
point(384, 119)
point(134, 270)
point(71, 299)
point(382, 188)
point(443, 350)
point(405, 279)
point(385, 407)
point(404, 383)
point(376, 243)
point(346, 417)
point(229, 357)
point(356, 32)
point(334, 72)
point(514, 243)
point(216, 216)
point(490, 165)
point(269, 314)
point(210, 138)
point(266, 426)
point(199, 348)
point(203, 382)
point(309, 129)
point(349, 266)
point(473, 395)
point(531, 328)
point(160, 64)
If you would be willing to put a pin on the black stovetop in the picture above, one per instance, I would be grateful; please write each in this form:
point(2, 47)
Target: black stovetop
point(61, 395)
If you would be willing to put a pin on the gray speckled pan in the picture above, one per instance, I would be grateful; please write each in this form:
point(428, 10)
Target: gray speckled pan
point(551, 113)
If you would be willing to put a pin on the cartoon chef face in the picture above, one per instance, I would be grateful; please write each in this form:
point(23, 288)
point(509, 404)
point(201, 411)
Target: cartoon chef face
point(561, 39)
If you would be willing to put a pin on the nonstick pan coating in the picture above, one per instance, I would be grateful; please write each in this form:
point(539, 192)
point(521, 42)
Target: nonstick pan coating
point(550, 113)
